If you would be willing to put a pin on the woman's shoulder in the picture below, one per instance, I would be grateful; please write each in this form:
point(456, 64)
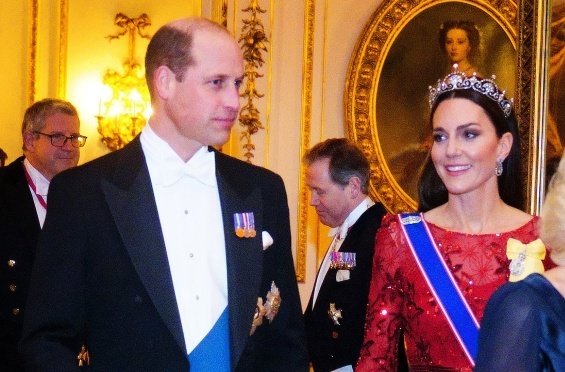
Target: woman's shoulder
point(518, 218)
point(392, 219)
point(390, 225)
point(389, 218)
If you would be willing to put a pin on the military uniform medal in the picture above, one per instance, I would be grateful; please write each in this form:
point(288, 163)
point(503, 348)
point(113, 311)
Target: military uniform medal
point(244, 225)
point(342, 260)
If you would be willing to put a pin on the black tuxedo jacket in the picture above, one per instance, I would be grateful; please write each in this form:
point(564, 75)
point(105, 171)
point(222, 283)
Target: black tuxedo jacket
point(19, 230)
point(102, 276)
point(332, 346)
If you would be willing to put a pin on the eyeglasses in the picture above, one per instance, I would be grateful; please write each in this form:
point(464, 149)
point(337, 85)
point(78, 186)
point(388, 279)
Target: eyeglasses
point(59, 140)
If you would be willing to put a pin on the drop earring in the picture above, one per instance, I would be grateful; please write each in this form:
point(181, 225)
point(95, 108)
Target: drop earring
point(498, 170)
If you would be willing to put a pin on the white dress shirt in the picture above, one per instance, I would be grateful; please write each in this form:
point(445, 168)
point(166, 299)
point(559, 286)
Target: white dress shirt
point(191, 220)
point(41, 187)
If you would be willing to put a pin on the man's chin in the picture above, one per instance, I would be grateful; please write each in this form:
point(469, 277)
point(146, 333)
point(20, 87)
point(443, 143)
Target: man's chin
point(66, 164)
point(220, 140)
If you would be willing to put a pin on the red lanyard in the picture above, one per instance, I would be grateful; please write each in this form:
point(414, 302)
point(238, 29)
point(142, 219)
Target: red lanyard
point(32, 185)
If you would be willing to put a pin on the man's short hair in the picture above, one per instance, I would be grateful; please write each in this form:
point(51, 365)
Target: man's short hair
point(346, 161)
point(36, 114)
point(171, 46)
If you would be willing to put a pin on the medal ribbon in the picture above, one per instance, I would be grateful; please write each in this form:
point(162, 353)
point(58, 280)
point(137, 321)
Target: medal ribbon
point(441, 282)
point(42, 201)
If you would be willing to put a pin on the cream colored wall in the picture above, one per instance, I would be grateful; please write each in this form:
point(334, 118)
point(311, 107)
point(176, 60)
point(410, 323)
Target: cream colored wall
point(336, 27)
point(13, 63)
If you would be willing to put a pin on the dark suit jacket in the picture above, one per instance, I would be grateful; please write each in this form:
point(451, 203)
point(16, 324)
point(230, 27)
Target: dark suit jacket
point(19, 230)
point(102, 275)
point(333, 346)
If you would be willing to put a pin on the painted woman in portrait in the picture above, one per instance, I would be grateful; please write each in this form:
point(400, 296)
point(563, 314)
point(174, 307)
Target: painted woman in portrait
point(460, 40)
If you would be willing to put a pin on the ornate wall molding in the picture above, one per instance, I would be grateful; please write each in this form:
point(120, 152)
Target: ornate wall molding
point(253, 42)
point(534, 21)
point(305, 124)
point(32, 63)
point(220, 12)
point(63, 42)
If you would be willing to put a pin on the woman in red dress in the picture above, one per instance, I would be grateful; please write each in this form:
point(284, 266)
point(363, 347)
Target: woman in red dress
point(470, 194)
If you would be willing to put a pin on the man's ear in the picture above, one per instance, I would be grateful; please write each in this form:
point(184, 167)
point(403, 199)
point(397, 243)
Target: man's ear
point(355, 186)
point(163, 82)
point(29, 143)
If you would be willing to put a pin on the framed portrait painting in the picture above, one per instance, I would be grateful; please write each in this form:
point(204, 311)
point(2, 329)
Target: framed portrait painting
point(406, 47)
point(556, 95)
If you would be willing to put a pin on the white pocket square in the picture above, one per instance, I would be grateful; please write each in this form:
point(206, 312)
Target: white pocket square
point(342, 275)
point(267, 240)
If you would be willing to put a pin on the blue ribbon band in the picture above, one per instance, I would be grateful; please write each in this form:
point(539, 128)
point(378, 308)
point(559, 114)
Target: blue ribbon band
point(441, 282)
point(212, 354)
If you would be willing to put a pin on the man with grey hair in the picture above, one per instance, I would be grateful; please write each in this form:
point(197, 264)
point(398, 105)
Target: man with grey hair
point(337, 174)
point(51, 143)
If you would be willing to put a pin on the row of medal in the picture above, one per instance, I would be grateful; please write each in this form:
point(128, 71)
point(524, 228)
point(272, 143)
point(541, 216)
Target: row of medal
point(244, 225)
point(342, 260)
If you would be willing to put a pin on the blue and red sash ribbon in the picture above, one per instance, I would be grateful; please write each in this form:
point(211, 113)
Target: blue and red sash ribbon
point(441, 282)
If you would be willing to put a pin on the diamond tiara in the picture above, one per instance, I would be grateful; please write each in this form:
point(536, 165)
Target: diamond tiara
point(458, 80)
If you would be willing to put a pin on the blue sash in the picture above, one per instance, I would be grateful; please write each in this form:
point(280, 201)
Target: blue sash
point(212, 354)
point(459, 315)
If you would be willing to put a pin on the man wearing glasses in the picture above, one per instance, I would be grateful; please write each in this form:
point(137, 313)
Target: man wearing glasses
point(51, 143)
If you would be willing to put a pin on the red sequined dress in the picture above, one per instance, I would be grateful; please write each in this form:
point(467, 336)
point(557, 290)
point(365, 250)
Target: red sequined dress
point(400, 300)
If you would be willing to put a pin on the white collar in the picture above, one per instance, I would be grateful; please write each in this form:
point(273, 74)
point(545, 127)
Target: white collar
point(41, 183)
point(165, 165)
point(351, 218)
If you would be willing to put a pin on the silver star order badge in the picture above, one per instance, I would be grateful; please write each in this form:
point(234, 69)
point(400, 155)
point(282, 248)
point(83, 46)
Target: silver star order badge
point(334, 313)
point(273, 302)
point(517, 265)
point(268, 310)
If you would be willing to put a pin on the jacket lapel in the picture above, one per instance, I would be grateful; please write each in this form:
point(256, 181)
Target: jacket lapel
point(350, 244)
point(20, 201)
point(244, 255)
point(129, 195)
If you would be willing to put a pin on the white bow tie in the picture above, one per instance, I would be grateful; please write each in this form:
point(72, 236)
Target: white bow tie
point(201, 169)
point(341, 230)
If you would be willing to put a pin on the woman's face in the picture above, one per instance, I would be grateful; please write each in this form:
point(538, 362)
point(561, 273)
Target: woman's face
point(457, 45)
point(466, 148)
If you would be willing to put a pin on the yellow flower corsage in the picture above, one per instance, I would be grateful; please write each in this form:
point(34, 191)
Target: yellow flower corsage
point(525, 259)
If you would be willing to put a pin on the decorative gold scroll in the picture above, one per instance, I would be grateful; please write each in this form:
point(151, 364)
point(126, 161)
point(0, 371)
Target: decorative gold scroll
point(531, 99)
point(63, 41)
point(307, 81)
point(253, 41)
point(32, 64)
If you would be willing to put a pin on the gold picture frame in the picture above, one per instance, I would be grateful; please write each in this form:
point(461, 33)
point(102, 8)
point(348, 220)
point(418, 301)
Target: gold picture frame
point(384, 55)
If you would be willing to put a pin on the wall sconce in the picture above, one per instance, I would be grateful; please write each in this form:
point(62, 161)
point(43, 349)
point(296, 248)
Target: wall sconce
point(124, 105)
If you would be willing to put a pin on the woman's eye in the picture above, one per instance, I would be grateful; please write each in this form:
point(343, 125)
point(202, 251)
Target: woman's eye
point(470, 134)
point(438, 137)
